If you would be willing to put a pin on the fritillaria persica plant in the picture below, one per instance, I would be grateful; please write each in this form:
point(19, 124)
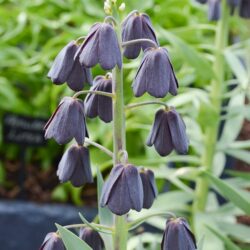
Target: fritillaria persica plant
point(128, 186)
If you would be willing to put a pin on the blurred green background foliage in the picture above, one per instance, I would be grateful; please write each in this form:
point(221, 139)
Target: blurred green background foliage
point(33, 32)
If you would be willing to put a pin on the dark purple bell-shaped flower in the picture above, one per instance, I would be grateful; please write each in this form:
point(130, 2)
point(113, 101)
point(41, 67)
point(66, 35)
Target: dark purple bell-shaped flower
point(214, 10)
point(66, 69)
point(137, 26)
point(75, 166)
point(155, 74)
point(178, 236)
point(52, 241)
point(123, 190)
point(92, 238)
point(245, 8)
point(67, 122)
point(168, 133)
point(100, 46)
point(99, 105)
point(202, 1)
point(149, 187)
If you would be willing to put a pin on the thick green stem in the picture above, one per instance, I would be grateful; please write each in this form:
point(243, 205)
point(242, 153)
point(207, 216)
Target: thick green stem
point(217, 90)
point(119, 142)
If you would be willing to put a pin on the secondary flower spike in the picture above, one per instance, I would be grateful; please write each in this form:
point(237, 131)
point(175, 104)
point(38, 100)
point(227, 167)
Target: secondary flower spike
point(67, 122)
point(123, 190)
point(178, 236)
point(137, 26)
point(92, 238)
point(75, 166)
point(99, 105)
point(155, 74)
point(245, 8)
point(66, 69)
point(149, 187)
point(52, 241)
point(100, 46)
point(168, 133)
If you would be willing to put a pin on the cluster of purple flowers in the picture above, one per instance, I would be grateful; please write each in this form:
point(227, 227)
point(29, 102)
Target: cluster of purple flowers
point(214, 8)
point(177, 236)
point(128, 187)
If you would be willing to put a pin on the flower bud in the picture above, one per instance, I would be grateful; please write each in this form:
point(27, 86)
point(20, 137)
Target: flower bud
point(168, 133)
point(178, 236)
point(92, 238)
point(149, 187)
point(99, 105)
point(67, 122)
point(122, 7)
point(123, 190)
point(100, 46)
point(155, 74)
point(66, 69)
point(52, 241)
point(75, 166)
point(137, 26)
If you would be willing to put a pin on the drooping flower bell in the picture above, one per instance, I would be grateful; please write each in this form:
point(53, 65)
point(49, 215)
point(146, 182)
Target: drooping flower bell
point(155, 74)
point(123, 190)
point(92, 238)
point(66, 69)
point(137, 26)
point(99, 105)
point(214, 10)
point(67, 122)
point(245, 8)
point(178, 236)
point(168, 133)
point(100, 46)
point(149, 187)
point(75, 166)
point(52, 241)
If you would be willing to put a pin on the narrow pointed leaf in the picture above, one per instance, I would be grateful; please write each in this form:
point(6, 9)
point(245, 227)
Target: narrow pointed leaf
point(228, 243)
point(71, 241)
point(230, 193)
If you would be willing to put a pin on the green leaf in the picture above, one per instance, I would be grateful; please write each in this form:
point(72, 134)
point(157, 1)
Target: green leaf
point(230, 193)
point(238, 231)
point(240, 144)
point(237, 67)
point(241, 174)
point(105, 215)
point(71, 241)
point(201, 65)
point(239, 154)
point(228, 243)
point(233, 125)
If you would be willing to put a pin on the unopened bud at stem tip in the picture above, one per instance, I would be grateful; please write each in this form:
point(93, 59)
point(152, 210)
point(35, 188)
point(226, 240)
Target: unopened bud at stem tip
point(122, 7)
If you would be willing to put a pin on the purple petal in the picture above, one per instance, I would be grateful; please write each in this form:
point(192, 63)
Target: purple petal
point(178, 132)
point(108, 48)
